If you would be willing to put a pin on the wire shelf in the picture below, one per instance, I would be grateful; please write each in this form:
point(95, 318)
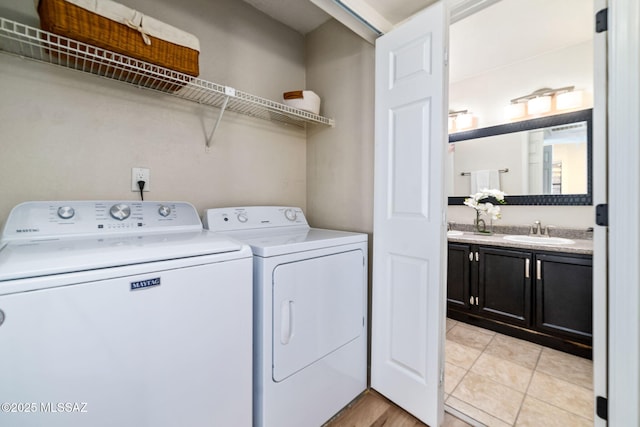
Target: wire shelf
point(36, 44)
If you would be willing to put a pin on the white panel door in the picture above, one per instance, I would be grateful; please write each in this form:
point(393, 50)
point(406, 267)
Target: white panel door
point(409, 253)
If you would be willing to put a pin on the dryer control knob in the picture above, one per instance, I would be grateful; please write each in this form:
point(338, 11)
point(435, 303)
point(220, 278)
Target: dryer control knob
point(120, 211)
point(164, 210)
point(66, 212)
point(242, 217)
point(290, 214)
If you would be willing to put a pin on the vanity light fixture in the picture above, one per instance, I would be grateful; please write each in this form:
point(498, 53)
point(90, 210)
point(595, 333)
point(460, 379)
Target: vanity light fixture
point(461, 120)
point(569, 100)
point(465, 121)
point(541, 102)
point(515, 110)
point(539, 105)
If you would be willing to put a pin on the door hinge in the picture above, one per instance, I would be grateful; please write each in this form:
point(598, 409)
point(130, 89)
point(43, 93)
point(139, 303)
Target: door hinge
point(602, 407)
point(602, 214)
point(602, 20)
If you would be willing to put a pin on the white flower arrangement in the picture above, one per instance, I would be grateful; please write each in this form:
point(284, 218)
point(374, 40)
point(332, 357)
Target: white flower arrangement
point(486, 208)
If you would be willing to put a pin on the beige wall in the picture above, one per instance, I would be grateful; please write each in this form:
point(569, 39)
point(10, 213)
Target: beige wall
point(505, 153)
point(340, 68)
point(68, 135)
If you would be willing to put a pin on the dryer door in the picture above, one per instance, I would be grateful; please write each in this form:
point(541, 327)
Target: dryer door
point(318, 306)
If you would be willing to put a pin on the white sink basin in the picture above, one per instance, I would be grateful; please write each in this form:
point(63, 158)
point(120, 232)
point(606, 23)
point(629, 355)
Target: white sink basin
point(539, 240)
point(454, 233)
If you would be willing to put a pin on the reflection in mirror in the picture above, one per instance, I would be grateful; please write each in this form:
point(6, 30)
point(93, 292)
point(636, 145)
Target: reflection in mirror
point(545, 161)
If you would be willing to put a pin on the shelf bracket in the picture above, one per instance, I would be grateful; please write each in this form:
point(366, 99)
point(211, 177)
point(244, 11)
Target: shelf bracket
point(229, 92)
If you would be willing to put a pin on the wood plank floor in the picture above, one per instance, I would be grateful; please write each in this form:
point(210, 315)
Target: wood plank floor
point(373, 410)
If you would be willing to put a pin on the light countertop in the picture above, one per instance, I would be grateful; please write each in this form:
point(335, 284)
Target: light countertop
point(581, 246)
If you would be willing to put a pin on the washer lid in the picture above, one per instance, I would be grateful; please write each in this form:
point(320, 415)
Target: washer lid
point(33, 258)
point(268, 243)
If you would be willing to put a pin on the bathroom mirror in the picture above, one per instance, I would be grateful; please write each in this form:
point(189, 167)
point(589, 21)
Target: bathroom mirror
point(543, 161)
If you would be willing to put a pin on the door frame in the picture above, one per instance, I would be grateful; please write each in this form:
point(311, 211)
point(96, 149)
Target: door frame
point(600, 233)
point(624, 212)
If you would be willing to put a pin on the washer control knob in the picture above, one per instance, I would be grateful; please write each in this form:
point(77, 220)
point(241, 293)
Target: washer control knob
point(66, 212)
point(290, 214)
point(120, 211)
point(164, 210)
point(242, 217)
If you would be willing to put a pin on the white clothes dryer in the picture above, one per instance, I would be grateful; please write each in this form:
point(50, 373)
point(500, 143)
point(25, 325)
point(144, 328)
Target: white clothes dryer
point(123, 314)
point(310, 311)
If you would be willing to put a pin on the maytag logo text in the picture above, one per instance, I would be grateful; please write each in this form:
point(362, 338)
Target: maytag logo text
point(142, 284)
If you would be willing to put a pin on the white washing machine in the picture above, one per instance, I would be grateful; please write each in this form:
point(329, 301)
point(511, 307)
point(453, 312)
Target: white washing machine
point(123, 314)
point(310, 311)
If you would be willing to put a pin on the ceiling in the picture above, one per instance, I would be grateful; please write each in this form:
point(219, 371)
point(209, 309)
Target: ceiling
point(514, 30)
point(485, 34)
point(301, 15)
point(307, 15)
point(304, 16)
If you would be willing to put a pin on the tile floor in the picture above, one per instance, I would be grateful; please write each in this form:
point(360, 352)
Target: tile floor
point(503, 381)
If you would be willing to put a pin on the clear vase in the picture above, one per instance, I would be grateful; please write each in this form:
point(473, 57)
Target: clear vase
point(480, 226)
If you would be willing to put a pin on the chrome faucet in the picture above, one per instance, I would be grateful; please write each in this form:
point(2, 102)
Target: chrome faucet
point(536, 229)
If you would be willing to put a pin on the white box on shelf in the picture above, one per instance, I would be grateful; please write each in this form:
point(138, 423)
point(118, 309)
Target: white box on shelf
point(303, 99)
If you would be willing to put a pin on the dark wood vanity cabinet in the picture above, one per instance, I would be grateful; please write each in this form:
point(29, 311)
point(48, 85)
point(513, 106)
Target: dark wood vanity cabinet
point(545, 297)
point(504, 285)
point(493, 282)
point(459, 276)
point(564, 295)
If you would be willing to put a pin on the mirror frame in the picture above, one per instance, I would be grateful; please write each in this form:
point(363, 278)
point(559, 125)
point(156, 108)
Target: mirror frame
point(542, 122)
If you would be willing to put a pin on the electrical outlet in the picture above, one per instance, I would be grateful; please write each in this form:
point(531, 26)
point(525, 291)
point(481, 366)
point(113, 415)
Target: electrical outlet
point(140, 174)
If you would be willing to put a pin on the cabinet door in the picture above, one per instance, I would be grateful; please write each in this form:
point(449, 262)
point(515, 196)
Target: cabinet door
point(458, 268)
point(564, 295)
point(504, 285)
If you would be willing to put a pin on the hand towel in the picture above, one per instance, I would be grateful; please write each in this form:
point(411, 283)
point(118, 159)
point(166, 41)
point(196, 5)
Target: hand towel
point(485, 179)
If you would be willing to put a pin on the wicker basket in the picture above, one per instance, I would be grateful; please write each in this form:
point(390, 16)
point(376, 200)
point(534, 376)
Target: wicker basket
point(66, 19)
